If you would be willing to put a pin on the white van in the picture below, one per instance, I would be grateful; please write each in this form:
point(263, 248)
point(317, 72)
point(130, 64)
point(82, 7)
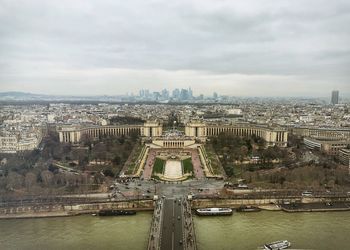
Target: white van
point(306, 193)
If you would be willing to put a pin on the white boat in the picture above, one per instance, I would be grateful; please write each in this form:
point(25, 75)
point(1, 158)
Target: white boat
point(277, 245)
point(214, 211)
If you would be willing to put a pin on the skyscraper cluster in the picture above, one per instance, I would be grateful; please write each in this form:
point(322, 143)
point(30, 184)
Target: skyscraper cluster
point(176, 94)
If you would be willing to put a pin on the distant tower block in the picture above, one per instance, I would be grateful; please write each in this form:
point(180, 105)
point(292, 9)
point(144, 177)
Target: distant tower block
point(335, 97)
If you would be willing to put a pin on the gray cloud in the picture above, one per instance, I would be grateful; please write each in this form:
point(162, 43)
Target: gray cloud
point(45, 45)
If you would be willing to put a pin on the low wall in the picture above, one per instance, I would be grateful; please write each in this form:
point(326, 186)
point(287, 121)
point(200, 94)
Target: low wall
point(67, 210)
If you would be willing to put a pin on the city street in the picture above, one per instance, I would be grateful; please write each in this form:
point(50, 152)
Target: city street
point(172, 230)
point(144, 188)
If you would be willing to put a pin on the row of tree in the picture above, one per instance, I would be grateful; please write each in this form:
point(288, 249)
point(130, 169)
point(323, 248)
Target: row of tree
point(314, 177)
point(234, 150)
point(35, 171)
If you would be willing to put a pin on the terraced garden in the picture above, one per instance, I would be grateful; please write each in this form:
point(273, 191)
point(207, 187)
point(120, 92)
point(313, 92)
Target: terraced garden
point(158, 167)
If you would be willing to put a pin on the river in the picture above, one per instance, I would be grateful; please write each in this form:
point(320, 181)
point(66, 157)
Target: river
point(246, 231)
point(78, 232)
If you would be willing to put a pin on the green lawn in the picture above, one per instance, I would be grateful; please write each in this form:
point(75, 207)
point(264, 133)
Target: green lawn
point(130, 169)
point(215, 164)
point(187, 165)
point(136, 154)
point(158, 166)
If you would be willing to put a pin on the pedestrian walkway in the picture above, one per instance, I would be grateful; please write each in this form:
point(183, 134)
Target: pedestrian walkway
point(189, 233)
point(155, 232)
point(147, 171)
point(197, 165)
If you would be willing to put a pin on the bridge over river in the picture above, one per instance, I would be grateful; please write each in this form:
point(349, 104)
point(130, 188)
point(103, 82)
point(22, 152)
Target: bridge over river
point(172, 226)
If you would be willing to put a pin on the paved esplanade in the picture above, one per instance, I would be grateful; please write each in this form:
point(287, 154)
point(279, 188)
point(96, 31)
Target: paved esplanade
point(172, 228)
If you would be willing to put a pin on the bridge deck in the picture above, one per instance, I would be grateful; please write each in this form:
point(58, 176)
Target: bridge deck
point(172, 226)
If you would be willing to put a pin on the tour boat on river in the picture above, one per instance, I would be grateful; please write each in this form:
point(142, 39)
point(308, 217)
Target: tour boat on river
point(277, 245)
point(214, 211)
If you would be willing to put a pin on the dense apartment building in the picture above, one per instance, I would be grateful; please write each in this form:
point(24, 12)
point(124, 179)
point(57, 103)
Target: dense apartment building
point(14, 143)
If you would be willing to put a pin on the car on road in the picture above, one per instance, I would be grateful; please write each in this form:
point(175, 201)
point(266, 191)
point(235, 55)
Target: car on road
point(178, 217)
point(306, 193)
point(242, 186)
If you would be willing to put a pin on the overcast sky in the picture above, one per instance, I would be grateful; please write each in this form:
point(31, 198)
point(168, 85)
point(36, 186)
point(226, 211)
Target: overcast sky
point(241, 48)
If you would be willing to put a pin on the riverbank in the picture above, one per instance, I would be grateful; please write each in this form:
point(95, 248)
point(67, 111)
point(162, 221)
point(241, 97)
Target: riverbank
point(44, 211)
point(316, 207)
point(270, 207)
point(36, 215)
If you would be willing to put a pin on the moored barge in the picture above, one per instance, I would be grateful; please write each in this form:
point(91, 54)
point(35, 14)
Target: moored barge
point(248, 209)
point(112, 212)
point(214, 211)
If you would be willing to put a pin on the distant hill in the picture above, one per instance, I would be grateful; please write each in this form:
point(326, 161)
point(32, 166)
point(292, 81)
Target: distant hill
point(15, 95)
point(23, 96)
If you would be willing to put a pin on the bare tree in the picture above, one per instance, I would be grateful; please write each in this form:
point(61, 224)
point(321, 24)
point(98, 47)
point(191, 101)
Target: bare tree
point(14, 180)
point(30, 180)
point(46, 177)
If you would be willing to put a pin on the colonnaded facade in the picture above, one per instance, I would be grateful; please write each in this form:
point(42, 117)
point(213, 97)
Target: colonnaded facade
point(194, 130)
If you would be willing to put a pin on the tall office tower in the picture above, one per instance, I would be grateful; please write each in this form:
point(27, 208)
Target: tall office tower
point(176, 93)
point(165, 94)
point(147, 93)
point(335, 97)
point(184, 94)
point(190, 93)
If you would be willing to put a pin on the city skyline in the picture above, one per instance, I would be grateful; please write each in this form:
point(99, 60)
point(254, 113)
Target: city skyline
point(241, 49)
point(167, 95)
point(148, 117)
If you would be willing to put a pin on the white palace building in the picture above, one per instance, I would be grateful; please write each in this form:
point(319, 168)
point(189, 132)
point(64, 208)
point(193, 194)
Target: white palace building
point(194, 130)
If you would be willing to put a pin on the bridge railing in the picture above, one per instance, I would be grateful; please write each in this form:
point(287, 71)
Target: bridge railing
point(155, 231)
point(189, 242)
